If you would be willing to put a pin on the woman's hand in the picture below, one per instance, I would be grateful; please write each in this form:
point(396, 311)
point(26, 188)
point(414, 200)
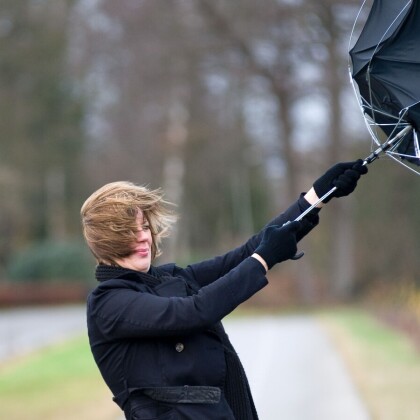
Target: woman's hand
point(279, 243)
point(343, 175)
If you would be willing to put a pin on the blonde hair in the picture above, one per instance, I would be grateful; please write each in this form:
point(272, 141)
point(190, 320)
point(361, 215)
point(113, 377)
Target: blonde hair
point(109, 219)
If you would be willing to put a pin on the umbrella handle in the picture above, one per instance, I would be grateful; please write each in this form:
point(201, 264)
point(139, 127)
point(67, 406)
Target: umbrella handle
point(369, 159)
point(298, 255)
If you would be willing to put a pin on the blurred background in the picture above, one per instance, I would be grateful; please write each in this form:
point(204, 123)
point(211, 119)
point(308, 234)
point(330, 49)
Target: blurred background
point(233, 108)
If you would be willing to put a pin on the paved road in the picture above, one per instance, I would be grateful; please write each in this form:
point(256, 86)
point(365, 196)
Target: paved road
point(294, 371)
point(23, 330)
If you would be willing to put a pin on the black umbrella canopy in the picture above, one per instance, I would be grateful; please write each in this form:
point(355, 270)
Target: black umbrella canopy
point(386, 69)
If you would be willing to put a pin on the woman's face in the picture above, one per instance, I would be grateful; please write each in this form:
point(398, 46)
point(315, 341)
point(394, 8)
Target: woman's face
point(141, 258)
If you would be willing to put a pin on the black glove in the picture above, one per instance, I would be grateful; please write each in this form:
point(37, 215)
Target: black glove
point(343, 175)
point(278, 243)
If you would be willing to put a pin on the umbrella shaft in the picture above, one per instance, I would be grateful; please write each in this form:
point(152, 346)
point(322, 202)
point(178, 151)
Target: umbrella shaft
point(387, 145)
point(308, 210)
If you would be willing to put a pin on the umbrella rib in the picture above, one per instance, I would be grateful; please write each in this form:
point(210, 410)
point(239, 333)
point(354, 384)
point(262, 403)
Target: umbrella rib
point(385, 114)
point(402, 163)
point(354, 25)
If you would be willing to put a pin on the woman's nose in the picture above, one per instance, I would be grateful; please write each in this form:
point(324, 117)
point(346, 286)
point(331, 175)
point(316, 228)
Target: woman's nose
point(141, 235)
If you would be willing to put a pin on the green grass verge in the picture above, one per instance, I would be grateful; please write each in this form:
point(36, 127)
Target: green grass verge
point(384, 364)
point(59, 382)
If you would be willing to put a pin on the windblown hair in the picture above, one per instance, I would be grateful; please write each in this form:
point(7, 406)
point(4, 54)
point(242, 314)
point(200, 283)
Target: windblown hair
point(109, 219)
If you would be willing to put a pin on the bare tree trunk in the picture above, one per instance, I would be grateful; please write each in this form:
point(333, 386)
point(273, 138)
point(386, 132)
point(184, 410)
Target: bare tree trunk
point(340, 275)
point(55, 202)
point(287, 147)
point(278, 87)
point(342, 255)
point(241, 200)
point(174, 164)
point(284, 94)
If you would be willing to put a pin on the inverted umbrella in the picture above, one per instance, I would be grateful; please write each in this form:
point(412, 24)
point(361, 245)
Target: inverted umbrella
point(385, 73)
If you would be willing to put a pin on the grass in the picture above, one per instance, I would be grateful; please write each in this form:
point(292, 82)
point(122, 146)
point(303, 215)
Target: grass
point(384, 364)
point(60, 382)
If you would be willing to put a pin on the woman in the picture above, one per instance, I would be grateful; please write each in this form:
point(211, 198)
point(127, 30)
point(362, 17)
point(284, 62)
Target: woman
point(155, 332)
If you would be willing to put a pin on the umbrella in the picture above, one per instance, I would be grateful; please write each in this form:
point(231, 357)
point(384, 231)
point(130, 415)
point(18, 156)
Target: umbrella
point(385, 73)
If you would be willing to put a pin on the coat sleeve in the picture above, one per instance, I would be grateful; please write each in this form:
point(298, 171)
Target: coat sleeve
point(207, 271)
point(127, 313)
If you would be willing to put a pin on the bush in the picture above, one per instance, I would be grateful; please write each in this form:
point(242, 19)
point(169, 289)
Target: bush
point(52, 262)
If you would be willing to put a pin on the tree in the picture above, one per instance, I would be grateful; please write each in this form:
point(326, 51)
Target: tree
point(41, 124)
point(164, 123)
point(294, 35)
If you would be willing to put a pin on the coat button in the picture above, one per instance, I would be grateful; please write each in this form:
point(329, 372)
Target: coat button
point(179, 347)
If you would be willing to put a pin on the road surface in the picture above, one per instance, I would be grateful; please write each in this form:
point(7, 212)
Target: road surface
point(293, 369)
point(26, 329)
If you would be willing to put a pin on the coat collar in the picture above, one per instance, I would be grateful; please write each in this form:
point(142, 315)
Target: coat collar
point(107, 272)
point(158, 279)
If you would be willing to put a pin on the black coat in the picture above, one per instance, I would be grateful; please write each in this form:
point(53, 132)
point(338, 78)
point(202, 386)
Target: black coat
point(157, 337)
